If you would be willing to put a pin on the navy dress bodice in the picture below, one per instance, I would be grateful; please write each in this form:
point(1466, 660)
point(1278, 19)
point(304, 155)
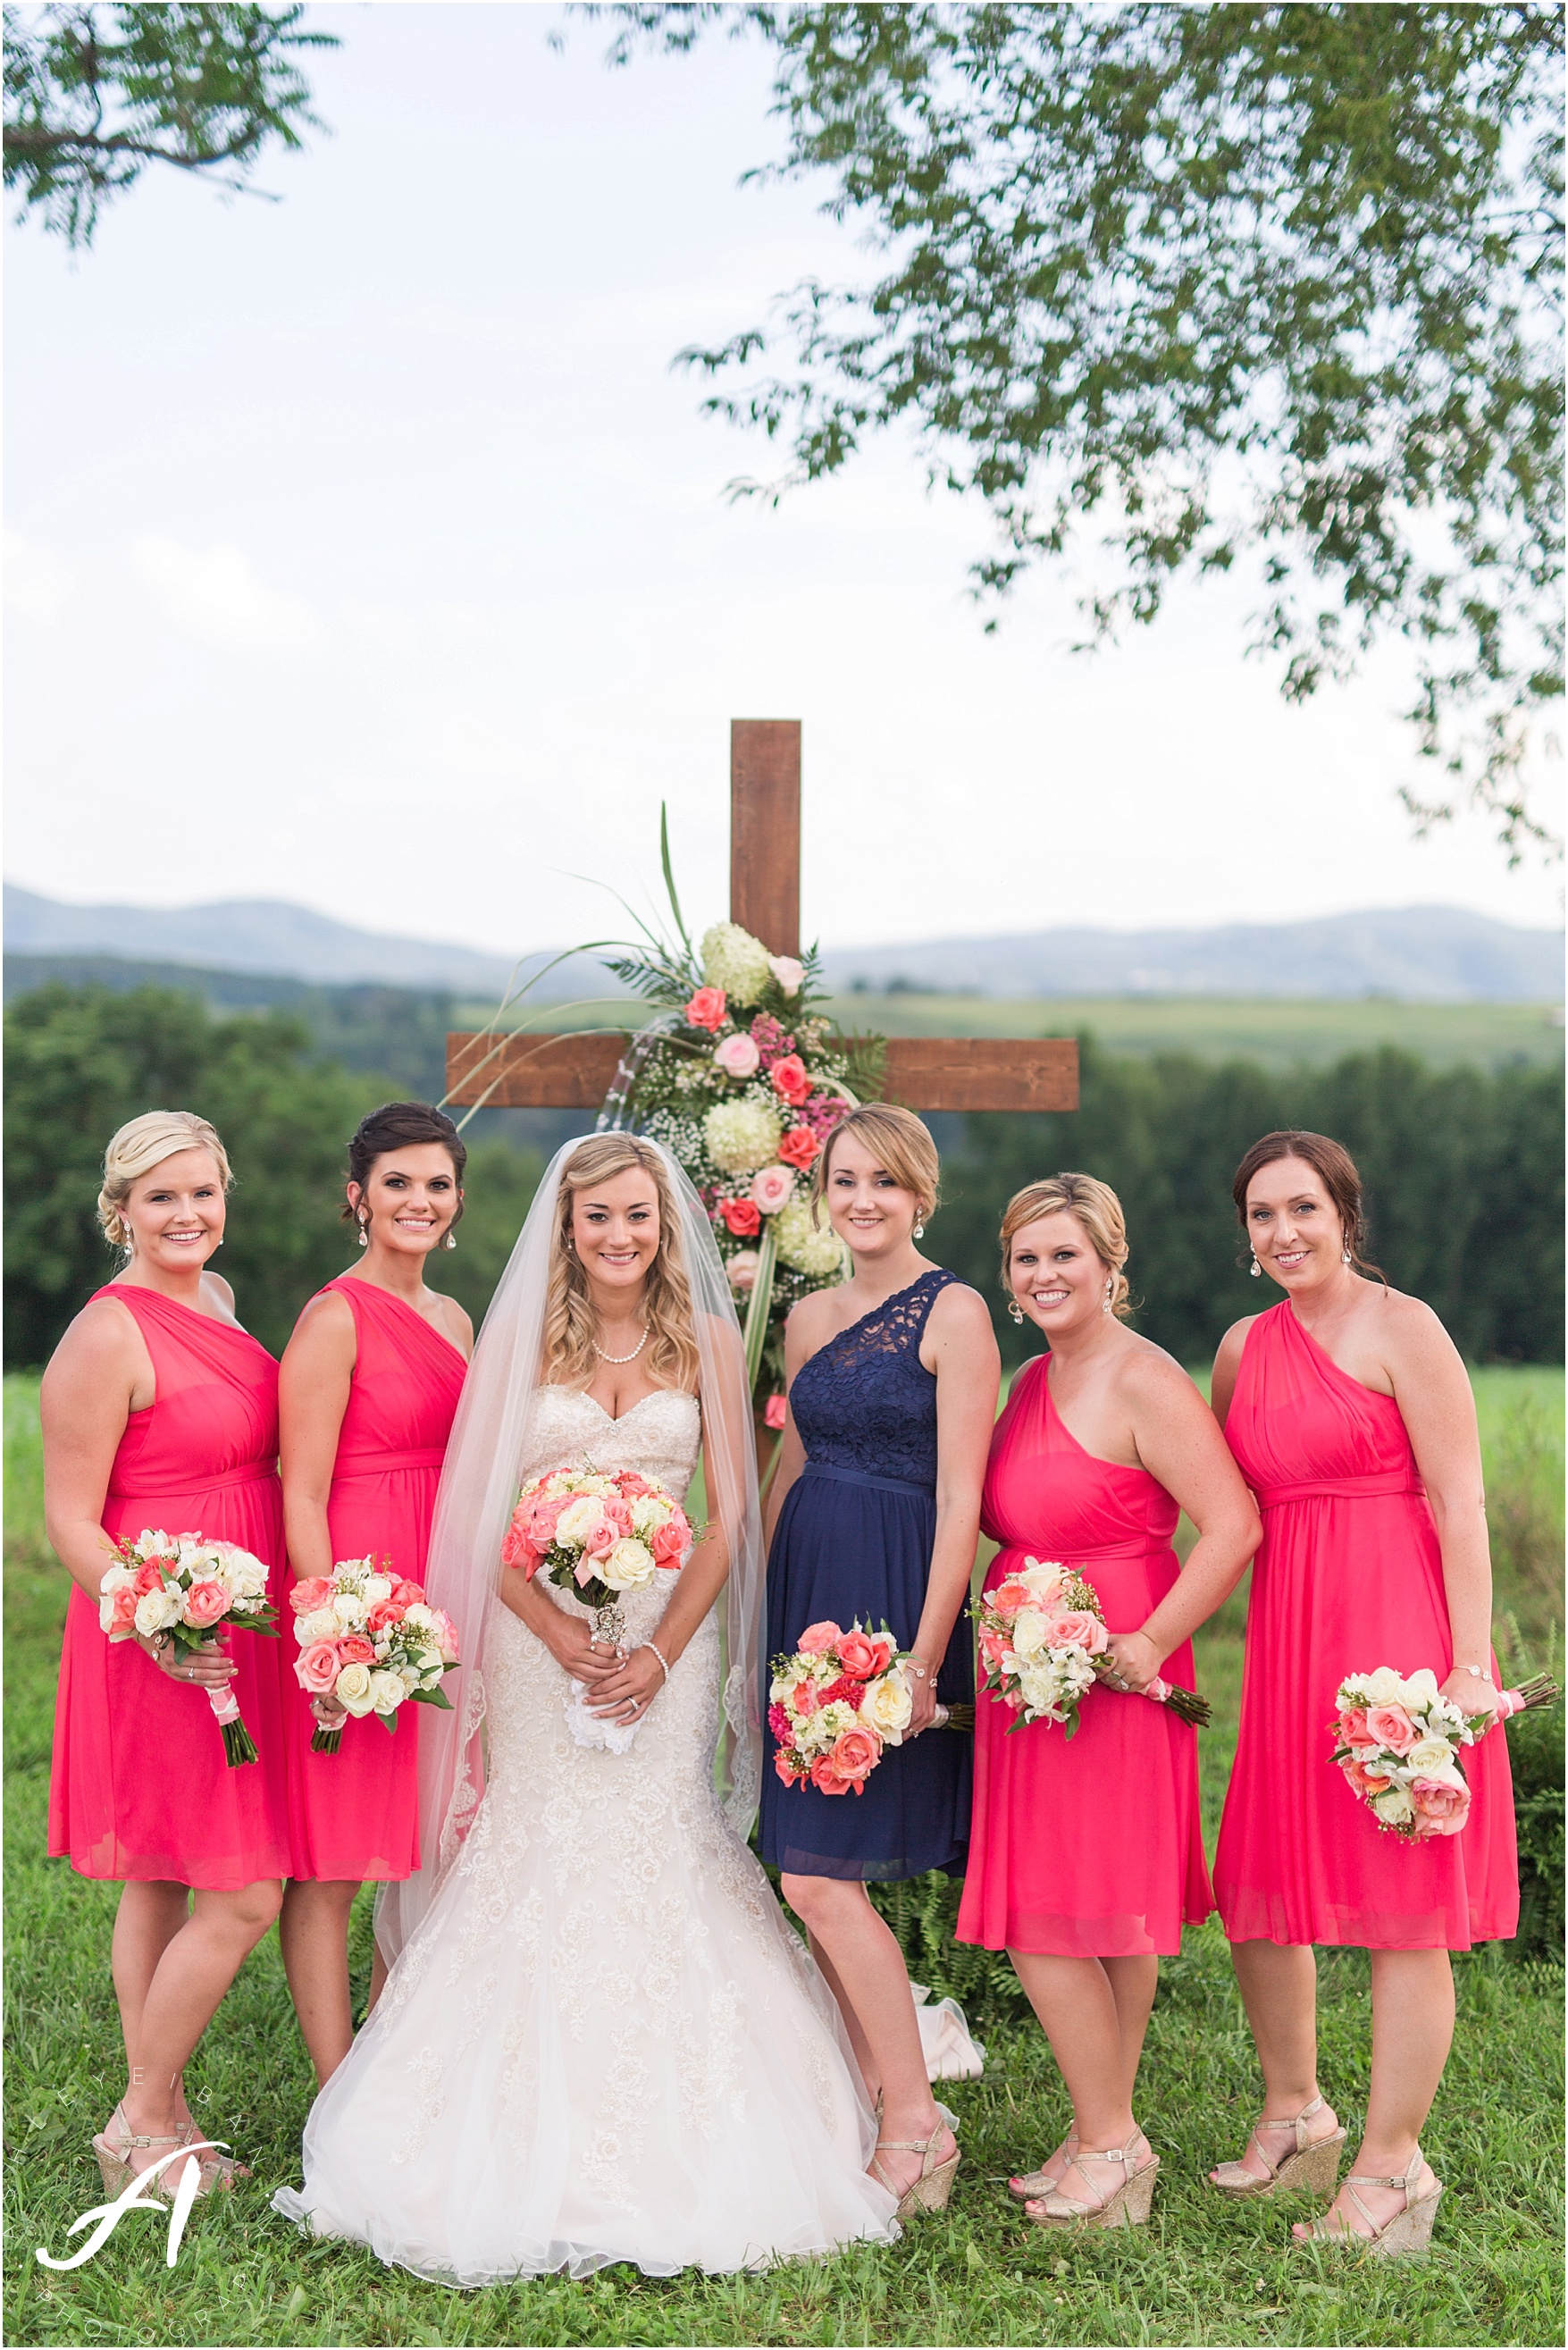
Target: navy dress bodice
point(852, 1543)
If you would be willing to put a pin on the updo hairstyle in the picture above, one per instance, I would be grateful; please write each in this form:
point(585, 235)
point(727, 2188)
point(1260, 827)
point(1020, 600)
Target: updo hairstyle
point(1338, 1174)
point(394, 1126)
point(1094, 1206)
point(569, 1320)
point(898, 1142)
point(141, 1144)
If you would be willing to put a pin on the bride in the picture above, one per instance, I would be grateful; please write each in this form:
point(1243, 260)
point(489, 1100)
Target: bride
point(599, 2039)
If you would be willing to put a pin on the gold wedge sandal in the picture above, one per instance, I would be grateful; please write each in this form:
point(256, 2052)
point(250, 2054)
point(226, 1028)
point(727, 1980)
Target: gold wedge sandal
point(930, 2192)
point(1030, 2185)
point(1311, 2166)
point(114, 2146)
point(1126, 2205)
point(1407, 2234)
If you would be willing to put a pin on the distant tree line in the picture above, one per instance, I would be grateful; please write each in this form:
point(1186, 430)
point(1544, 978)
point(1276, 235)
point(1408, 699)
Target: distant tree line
point(1463, 1169)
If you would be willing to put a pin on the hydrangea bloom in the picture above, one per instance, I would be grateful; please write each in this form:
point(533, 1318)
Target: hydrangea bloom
point(806, 1247)
point(742, 1136)
point(734, 960)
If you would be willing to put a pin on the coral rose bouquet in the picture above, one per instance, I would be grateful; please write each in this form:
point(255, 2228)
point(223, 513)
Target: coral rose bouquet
point(1397, 1740)
point(189, 1589)
point(370, 1639)
point(599, 1537)
point(1044, 1645)
point(834, 1703)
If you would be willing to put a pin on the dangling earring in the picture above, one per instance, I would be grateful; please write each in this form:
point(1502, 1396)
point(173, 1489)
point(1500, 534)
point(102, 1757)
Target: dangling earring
point(451, 1241)
point(1347, 1258)
point(919, 1231)
point(1110, 1285)
point(1015, 1310)
point(364, 1235)
point(1257, 1268)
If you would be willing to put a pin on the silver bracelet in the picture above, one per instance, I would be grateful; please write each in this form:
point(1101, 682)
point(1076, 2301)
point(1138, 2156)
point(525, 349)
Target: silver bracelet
point(659, 1654)
point(1479, 1675)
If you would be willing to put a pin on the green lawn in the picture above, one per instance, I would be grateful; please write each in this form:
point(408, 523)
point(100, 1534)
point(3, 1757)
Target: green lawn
point(1280, 1032)
point(1204, 2271)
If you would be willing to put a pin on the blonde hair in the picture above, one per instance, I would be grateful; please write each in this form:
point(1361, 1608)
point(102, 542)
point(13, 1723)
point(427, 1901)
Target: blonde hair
point(1092, 1205)
point(898, 1142)
point(569, 1323)
point(141, 1144)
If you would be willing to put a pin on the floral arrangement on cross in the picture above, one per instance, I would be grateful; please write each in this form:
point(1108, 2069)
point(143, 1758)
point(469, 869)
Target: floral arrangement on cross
point(743, 1081)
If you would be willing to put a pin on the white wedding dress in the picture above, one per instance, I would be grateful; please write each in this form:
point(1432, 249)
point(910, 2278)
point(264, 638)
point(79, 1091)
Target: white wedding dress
point(604, 2043)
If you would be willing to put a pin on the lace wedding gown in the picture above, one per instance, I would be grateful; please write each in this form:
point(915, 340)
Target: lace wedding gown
point(604, 2043)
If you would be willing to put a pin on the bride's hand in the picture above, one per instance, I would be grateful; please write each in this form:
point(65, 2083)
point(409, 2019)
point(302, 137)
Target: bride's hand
point(627, 1694)
point(571, 1642)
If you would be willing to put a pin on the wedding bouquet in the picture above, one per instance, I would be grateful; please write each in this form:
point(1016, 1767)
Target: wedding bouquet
point(835, 1703)
point(1397, 1740)
point(368, 1639)
point(189, 1588)
point(1043, 1644)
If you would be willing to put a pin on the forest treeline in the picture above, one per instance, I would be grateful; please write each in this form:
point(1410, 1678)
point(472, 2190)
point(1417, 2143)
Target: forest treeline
point(1463, 1169)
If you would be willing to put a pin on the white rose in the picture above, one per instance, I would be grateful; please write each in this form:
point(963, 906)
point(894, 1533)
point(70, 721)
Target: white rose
point(1393, 1807)
point(628, 1566)
point(321, 1624)
point(247, 1577)
point(1029, 1627)
point(572, 1525)
point(887, 1706)
point(1037, 1686)
point(419, 1615)
point(377, 1589)
point(156, 1610)
point(386, 1692)
point(1428, 1754)
point(428, 1664)
point(349, 1611)
point(1422, 1685)
point(1384, 1687)
point(788, 972)
point(353, 1690)
point(116, 1578)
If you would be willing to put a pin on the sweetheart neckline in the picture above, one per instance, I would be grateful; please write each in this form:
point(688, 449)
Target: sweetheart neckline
point(617, 1419)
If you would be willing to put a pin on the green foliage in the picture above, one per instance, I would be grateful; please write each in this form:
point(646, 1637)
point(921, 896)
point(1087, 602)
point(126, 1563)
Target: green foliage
point(1273, 288)
point(93, 95)
point(1463, 1170)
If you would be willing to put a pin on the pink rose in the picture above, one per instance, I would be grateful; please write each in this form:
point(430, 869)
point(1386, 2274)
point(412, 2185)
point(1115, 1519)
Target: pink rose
point(742, 1217)
point(771, 1187)
point(632, 1486)
point(780, 1724)
point(706, 1009)
point(776, 1411)
point(668, 1542)
point(1441, 1805)
point(150, 1576)
point(826, 1779)
point(737, 1057)
point(742, 1269)
point(857, 1655)
point(518, 1549)
point(1077, 1630)
point(602, 1537)
point(443, 1631)
point(799, 1147)
point(817, 1637)
point(1350, 1727)
point(1390, 1726)
point(1009, 1598)
point(206, 1604)
point(852, 1757)
point(387, 1612)
point(315, 1591)
point(993, 1648)
point(353, 1650)
point(790, 1078)
point(317, 1669)
point(122, 1612)
point(405, 1594)
point(803, 1698)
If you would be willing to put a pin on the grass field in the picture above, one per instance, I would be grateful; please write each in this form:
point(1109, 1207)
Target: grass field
point(1279, 1031)
point(1203, 2271)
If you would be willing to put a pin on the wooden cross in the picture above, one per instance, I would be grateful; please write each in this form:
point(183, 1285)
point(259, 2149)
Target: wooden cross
point(933, 1073)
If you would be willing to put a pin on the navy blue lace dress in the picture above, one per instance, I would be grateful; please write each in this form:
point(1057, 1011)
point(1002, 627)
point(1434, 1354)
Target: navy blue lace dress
point(854, 1540)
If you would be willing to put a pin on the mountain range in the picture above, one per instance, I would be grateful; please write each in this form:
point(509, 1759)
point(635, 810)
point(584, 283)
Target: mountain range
point(1419, 953)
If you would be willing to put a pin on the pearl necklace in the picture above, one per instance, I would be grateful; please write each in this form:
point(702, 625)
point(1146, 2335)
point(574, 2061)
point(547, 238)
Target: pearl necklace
point(616, 1360)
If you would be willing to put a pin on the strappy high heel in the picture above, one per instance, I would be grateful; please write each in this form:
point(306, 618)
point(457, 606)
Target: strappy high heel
point(1311, 2166)
point(1030, 2185)
point(1126, 2205)
point(114, 2154)
point(930, 2192)
point(218, 2168)
point(1407, 2233)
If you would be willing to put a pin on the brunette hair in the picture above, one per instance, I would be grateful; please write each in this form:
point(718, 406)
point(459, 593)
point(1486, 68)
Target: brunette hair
point(1334, 1168)
point(141, 1144)
point(1092, 1205)
point(394, 1126)
point(901, 1145)
point(672, 1358)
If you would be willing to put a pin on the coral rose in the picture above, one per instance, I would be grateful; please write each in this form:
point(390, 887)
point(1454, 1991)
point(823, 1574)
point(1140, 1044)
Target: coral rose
point(855, 1754)
point(315, 1669)
point(804, 1698)
point(789, 1079)
point(206, 1604)
point(387, 1612)
point(1009, 1598)
point(706, 1009)
point(1366, 1783)
point(776, 1411)
point(742, 1217)
point(1390, 1726)
point(1441, 1803)
point(632, 1486)
point(518, 1549)
point(118, 1614)
point(353, 1650)
point(150, 1576)
point(669, 1541)
point(857, 1655)
point(1351, 1727)
point(826, 1779)
point(312, 1592)
point(785, 1769)
point(818, 1637)
point(799, 1147)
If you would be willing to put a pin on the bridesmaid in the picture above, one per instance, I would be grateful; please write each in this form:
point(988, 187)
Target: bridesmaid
point(892, 1391)
point(370, 1385)
point(160, 1410)
point(1087, 1855)
point(1353, 1420)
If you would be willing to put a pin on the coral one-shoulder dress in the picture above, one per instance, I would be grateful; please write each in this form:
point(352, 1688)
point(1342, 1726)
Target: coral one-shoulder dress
point(140, 1788)
point(1089, 1847)
point(1349, 1576)
point(355, 1814)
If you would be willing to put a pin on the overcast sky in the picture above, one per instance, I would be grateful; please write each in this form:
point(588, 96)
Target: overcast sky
point(366, 551)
